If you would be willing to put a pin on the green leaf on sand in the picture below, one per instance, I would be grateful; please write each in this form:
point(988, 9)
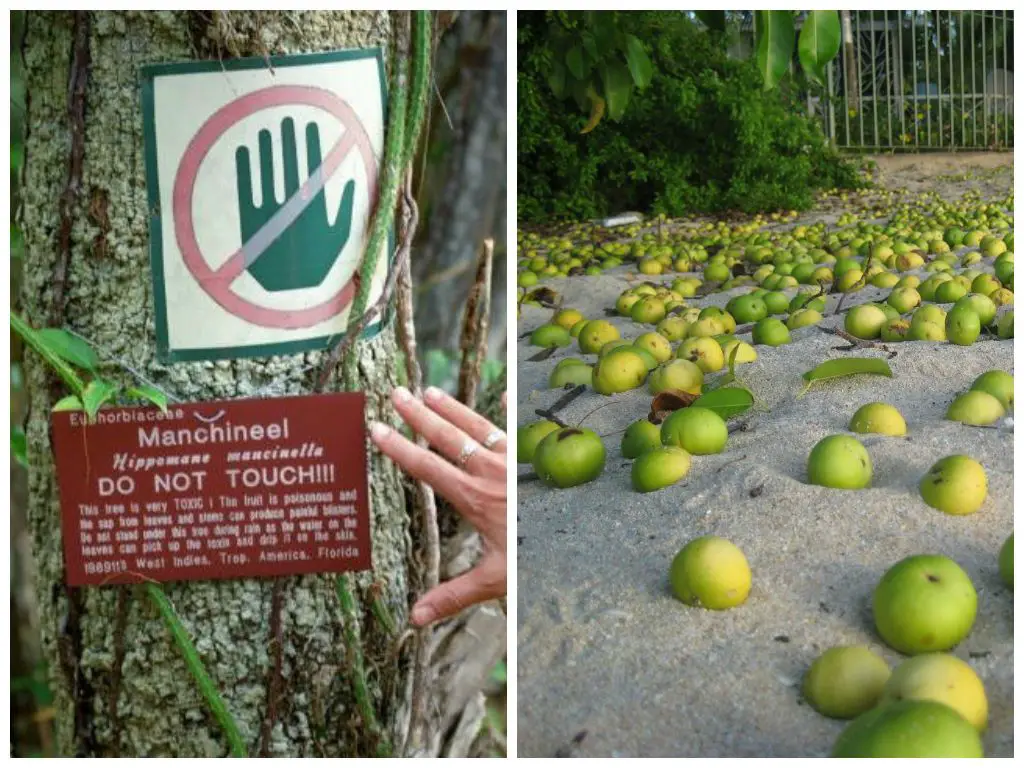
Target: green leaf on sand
point(726, 401)
point(847, 366)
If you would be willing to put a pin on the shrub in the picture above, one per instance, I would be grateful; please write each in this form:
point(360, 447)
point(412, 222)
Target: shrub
point(704, 136)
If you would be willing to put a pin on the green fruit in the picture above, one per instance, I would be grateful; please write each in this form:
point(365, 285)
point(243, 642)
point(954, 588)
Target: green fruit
point(1004, 326)
point(550, 335)
point(569, 457)
point(770, 331)
point(904, 299)
point(656, 344)
point(845, 681)
point(575, 373)
point(956, 485)
point(699, 431)
point(649, 360)
point(776, 301)
point(909, 729)
point(1006, 562)
point(567, 318)
point(803, 318)
point(710, 572)
point(839, 461)
point(529, 436)
point(926, 330)
point(676, 374)
point(879, 419)
point(613, 344)
point(997, 383)
point(962, 325)
point(981, 305)
point(943, 678)
point(620, 370)
point(717, 273)
point(595, 334)
point(673, 328)
point(648, 310)
point(640, 437)
point(930, 313)
point(744, 352)
point(949, 292)
point(747, 309)
point(704, 351)
point(659, 468)
point(895, 330)
point(976, 408)
point(924, 603)
point(575, 330)
point(865, 321)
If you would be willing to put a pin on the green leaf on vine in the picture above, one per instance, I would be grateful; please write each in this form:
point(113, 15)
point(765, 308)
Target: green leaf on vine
point(819, 43)
point(774, 45)
point(640, 66)
point(618, 86)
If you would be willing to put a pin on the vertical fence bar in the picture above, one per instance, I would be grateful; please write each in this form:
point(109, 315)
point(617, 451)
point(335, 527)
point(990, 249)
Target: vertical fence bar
point(888, 76)
point(963, 84)
point(984, 83)
point(874, 79)
point(927, 79)
point(938, 67)
point(974, 87)
point(830, 74)
point(913, 53)
point(860, 76)
point(1007, 137)
point(846, 95)
point(902, 94)
point(952, 87)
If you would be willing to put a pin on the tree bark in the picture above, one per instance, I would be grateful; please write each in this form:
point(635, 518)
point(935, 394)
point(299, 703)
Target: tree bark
point(121, 685)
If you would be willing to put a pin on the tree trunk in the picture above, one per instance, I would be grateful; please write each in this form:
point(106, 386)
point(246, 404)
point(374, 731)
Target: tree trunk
point(121, 684)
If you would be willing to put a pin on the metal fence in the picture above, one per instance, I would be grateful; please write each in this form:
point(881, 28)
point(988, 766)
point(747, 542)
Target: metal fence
point(922, 80)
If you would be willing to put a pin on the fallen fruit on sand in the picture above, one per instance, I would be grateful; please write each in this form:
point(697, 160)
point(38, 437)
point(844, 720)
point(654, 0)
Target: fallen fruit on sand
point(699, 431)
point(997, 383)
point(963, 325)
point(839, 461)
point(771, 332)
point(568, 457)
point(656, 344)
point(640, 437)
point(595, 334)
point(802, 318)
point(567, 318)
point(895, 330)
point(676, 374)
point(1004, 325)
point(710, 572)
point(529, 436)
point(550, 335)
point(865, 321)
point(570, 371)
point(909, 729)
point(956, 485)
point(1006, 562)
point(620, 370)
point(976, 408)
point(845, 681)
point(744, 352)
point(704, 351)
point(924, 603)
point(659, 468)
point(926, 330)
point(944, 678)
point(878, 419)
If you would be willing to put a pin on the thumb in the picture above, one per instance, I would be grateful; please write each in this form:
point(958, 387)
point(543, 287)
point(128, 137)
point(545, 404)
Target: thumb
point(453, 596)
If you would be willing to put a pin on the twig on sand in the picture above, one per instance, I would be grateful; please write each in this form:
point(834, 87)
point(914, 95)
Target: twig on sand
point(856, 343)
point(730, 462)
point(552, 413)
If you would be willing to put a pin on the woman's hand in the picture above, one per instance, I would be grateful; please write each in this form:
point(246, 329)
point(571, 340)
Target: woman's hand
point(473, 480)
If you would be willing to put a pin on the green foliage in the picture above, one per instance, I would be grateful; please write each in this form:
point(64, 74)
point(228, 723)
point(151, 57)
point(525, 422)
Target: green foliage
point(774, 45)
point(703, 137)
point(819, 43)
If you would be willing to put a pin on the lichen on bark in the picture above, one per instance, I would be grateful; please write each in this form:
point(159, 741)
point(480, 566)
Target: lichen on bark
point(109, 300)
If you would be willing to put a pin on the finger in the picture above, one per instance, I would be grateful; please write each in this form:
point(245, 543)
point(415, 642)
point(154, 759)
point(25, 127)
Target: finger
point(289, 157)
point(443, 435)
point(243, 170)
point(484, 582)
point(313, 157)
point(267, 169)
point(504, 401)
point(466, 419)
point(420, 463)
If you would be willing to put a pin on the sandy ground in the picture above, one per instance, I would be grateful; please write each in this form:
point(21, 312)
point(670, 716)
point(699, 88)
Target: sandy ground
point(607, 657)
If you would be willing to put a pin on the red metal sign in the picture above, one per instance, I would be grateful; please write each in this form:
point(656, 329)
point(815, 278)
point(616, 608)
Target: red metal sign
point(216, 490)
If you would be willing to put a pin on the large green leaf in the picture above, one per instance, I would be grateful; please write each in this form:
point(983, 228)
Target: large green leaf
point(819, 43)
point(774, 45)
point(618, 86)
point(576, 62)
point(640, 66)
point(846, 366)
point(97, 392)
point(726, 401)
point(151, 394)
point(556, 79)
point(712, 19)
point(69, 347)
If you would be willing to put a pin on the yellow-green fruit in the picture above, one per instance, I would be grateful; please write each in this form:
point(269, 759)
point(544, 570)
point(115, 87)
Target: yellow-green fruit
point(904, 299)
point(926, 330)
point(997, 383)
point(956, 485)
point(865, 321)
point(697, 430)
point(943, 678)
point(710, 572)
point(895, 330)
point(839, 461)
point(1006, 562)
point(949, 292)
point(567, 318)
point(849, 281)
point(982, 305)
point(704, 351)
point(575, 330)
point(962, 325)
point(656, 344)
point(624, 304)
point(529, 436)
point(803, 318)
point(550, 335)
point(770, 331)
point(659, 468)
point(706, 326)
point(649, 360)
point(1004, 326)
point(613, 344)
point(676, 374)
point(648, 310)
point(574, 372)
point(639, 438)
point(620, 370)
point(744, 352)
point(976, 408)
point(673, 328)
point(885, 280)
point(845, 681)
point(569, 457)
point(595, 334)
point(909, 729)
point(878, 419)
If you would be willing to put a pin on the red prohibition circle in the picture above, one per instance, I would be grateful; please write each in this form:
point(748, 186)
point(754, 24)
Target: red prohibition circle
point(217, 283)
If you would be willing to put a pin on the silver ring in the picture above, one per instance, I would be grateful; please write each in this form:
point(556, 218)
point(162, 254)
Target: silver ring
point(493, 439)
point(468, 449)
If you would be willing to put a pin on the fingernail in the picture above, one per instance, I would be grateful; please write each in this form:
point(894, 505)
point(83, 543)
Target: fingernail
point(422, 614)
point(401, 394)
point(433, 393)
point(378, 430)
